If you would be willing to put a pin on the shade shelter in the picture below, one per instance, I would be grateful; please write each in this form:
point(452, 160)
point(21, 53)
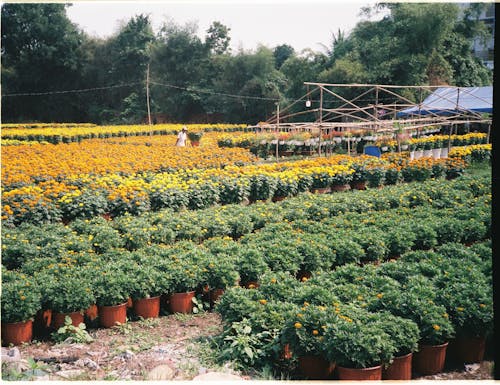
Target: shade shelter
point(446, 101)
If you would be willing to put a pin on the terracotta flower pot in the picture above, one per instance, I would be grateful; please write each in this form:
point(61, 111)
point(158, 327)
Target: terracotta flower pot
point(372, 374)
point(278, 198)
point(315, 367)
point(468, 349)
point(321, 190)
point(430, 359)
point(195, 143)
point(147, 307)
point(58, 319)
point(214, 295)
point(110, 315)
point(286, 353)
point(360, 185)
point(43, 319)
point(400, 369)
point(182, 302)
point(130, 303)
point(91, 312)
point(340, 187)
point(17, 332)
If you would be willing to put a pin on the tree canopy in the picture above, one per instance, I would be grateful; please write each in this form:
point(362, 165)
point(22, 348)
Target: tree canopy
point(52, 71)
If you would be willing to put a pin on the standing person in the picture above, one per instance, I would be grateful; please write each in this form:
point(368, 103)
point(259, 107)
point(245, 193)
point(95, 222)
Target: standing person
point(182, 137)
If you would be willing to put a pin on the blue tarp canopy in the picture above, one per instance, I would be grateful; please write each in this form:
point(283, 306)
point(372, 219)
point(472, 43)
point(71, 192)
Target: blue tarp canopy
point(453, 100)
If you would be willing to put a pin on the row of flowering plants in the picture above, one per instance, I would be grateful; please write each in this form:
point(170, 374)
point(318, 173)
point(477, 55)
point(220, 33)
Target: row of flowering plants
point(363, 316)
point(136, 256)
point(196, 188)
point(65, 133)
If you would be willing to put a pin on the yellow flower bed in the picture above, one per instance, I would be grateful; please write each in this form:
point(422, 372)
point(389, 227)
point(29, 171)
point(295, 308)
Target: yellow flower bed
point(84, 130)
point(27, 163)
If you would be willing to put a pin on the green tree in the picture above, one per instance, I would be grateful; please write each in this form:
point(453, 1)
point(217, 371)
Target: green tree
point(217, 38)
point(281, 53)
point(40, 53)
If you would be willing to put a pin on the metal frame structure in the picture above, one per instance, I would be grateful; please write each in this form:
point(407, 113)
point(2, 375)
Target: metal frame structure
point(374, 116)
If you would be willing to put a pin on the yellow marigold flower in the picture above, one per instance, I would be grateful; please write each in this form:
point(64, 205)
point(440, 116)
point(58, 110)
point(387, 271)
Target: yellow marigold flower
point(482, 305)
point(297, 325)
point(273, 280)
point(315, 332)
point(304, 279)
point(436, 327)
point(23, 298)
point(300, 315)
point(460, 309)
point(360, 297)
point(306, 303)
point(379, 295)
point(263, 301)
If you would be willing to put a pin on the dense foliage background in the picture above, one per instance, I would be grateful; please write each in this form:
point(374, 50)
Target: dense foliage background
point(194, 79)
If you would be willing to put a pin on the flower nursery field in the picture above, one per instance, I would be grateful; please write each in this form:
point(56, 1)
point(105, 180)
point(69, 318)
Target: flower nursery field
point(358, 277)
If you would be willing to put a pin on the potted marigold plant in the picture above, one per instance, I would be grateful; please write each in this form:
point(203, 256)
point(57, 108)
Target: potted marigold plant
point(405, 335)
point(69, 296)
point(251, 266)
point(195, 137)
point(185, 278)
point(147, 285)
point(112, 290)
point(304, 335)
point(359, 346)
point(20, 302)
point(359, 177)
point(321, 181)
point(219, 274)
point(469, 300)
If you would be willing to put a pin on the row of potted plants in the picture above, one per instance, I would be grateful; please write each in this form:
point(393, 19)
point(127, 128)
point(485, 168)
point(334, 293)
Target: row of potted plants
point(361, 317)
point(99, 235)
point(63, 133)
point(202, 188)
point(185, 266)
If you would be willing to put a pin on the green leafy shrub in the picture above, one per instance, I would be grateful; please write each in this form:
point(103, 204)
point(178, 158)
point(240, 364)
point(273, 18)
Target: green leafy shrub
point(69, 293)
point(20, 299)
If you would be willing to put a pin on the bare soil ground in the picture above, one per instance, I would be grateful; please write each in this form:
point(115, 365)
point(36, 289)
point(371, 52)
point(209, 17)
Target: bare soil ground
point(131, 352)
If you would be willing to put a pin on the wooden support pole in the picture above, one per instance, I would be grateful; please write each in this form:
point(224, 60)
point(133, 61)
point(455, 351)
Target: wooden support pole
point(277, 128)
point(320, 118)
point(147, 95)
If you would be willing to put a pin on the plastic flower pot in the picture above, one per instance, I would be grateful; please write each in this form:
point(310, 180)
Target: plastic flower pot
point(214, 295)
point(400, 369)
point(16, 333)
point(321, 190)
point(91, 312)
point(467, 350)
point(371, 374)
point(109, 316)
point(430, 359)
point(315, 368)
point(359, 185)
point(43, 319)
point(182, 302)
point(147, 307)
point(340, 187)
point(59, 318)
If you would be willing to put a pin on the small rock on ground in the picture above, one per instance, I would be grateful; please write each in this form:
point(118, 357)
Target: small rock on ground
point(161, 372)
point(218, 376)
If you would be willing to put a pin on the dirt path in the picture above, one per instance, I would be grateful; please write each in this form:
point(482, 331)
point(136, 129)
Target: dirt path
point(166, 348)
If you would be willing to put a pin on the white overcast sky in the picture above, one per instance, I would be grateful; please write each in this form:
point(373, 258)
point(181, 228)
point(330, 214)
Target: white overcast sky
point(299, 23)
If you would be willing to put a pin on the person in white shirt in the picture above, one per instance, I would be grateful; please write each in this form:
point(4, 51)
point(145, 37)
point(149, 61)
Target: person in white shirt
point(182, 137)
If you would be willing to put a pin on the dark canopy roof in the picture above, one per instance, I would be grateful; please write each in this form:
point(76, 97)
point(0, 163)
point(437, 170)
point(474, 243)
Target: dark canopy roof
point(453, 100)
